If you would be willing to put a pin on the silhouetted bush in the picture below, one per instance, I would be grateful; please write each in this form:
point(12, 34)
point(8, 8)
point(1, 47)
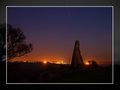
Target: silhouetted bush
point(93, 63)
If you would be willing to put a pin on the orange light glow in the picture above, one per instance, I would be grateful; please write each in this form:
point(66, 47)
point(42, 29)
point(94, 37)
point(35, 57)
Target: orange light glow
point(45, 62)
point(87, 63)
point(24, 61)
point(57, 62)
point(60, 62)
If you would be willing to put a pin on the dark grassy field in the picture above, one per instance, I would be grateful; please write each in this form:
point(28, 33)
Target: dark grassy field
point(54, 73)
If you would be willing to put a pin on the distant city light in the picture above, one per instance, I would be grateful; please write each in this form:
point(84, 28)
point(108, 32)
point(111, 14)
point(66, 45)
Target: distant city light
point(60, 62)
point(45, 62)
point(24, 61)
point(87, 63)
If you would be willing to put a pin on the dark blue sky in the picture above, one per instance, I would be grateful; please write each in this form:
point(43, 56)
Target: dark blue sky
point(53, 31)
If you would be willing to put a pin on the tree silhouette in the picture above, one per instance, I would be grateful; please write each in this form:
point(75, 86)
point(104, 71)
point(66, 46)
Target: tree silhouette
point(16, 44)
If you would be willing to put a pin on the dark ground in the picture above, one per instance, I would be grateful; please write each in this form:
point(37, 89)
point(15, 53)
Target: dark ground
point(27, 73)
point(54, 73)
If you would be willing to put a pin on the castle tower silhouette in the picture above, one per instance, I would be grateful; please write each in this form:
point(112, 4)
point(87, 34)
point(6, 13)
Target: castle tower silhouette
point(77, 60)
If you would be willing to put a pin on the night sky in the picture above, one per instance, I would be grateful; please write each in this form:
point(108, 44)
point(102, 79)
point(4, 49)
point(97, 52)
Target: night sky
point(53, 31)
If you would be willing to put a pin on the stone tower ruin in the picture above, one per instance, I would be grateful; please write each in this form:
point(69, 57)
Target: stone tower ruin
point(77, 60)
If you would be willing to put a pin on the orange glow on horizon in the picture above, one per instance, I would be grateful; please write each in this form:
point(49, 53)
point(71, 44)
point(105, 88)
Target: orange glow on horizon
point(57, 59)
point(45, 62)
point(24, 61)
point(60, 62)
point(87, 63)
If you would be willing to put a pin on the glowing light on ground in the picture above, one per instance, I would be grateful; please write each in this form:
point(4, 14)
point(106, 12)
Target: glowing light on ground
point(45, 62)
point(87, 63)
point(60, 62)
point(57, 62)
point(25, 61)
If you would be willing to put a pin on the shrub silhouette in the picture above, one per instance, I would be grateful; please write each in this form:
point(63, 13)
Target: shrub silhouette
point(93, 63)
